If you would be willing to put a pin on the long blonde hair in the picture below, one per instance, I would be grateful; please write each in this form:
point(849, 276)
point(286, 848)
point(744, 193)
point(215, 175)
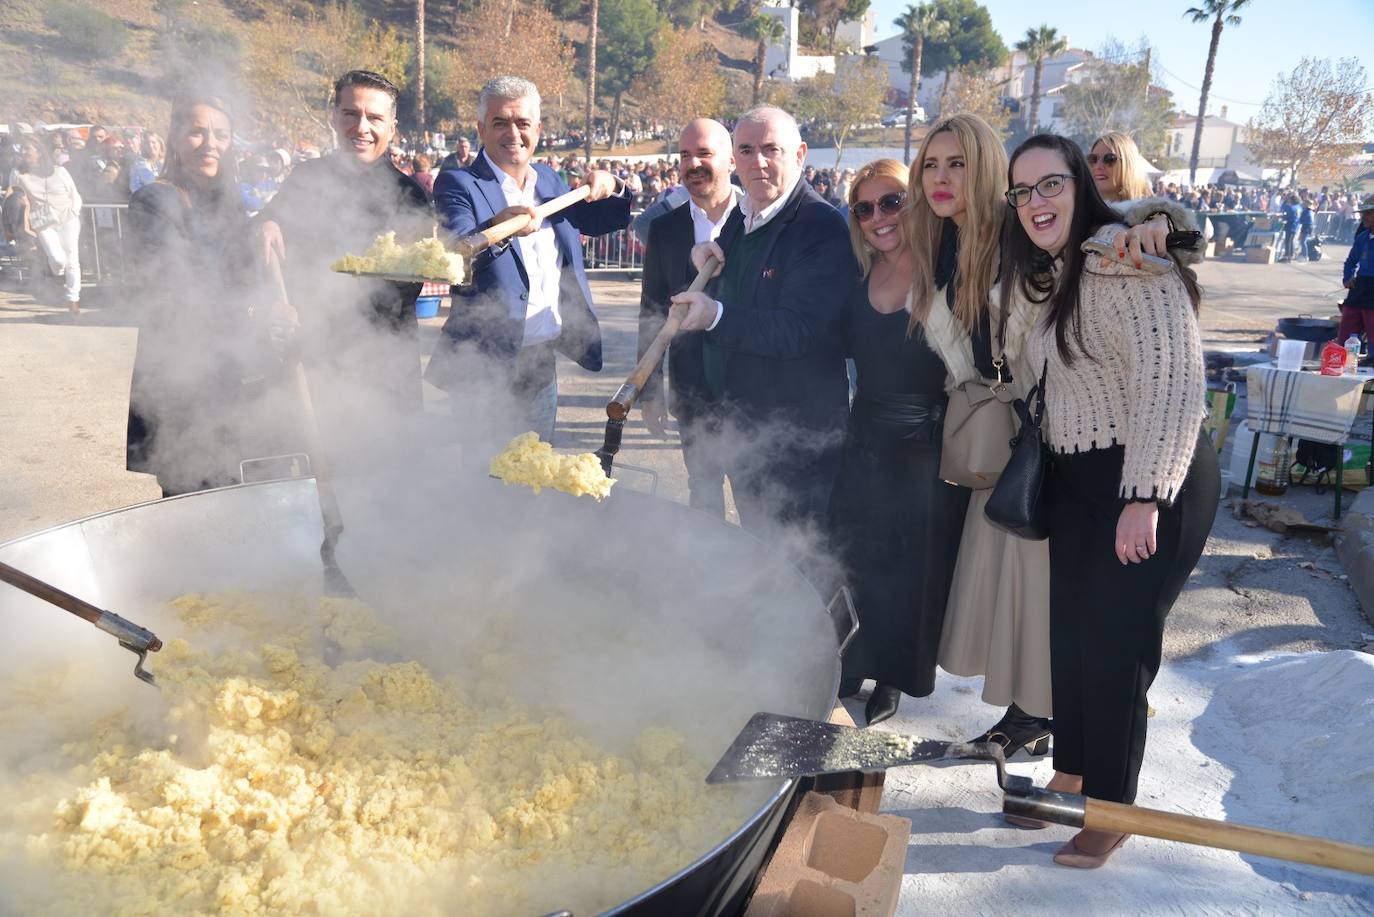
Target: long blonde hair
point(985, 183)
point(878, 168)
point(1130, 172)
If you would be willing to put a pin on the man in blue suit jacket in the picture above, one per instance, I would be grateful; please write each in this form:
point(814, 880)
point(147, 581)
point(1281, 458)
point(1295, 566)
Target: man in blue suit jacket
point(772, 351)
point(529, 297)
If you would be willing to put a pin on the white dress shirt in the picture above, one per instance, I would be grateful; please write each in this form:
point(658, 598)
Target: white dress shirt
point(703, 228)
point(754, 221)
point(543, 264)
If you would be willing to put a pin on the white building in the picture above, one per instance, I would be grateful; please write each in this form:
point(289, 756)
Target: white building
point(1017, 78)
point(785, 62)
point(1224, 143)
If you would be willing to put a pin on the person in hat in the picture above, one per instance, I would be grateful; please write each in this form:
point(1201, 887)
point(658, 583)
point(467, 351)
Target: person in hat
point(1357, 312)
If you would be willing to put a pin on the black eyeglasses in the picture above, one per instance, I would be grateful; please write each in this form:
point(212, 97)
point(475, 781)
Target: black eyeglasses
point(889, 204)
point(1049, 186)
point(1108, 158)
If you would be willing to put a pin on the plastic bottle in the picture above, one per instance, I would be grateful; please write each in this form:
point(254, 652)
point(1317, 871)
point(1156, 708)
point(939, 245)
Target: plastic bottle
point(1352, 355)
point(1271, 466)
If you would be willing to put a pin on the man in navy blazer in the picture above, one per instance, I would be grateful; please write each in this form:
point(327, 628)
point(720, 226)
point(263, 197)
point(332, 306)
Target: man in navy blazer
point(772, 349)
point(529, 297)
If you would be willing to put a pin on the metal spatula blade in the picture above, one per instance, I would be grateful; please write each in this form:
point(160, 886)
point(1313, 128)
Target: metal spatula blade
point(772, 746)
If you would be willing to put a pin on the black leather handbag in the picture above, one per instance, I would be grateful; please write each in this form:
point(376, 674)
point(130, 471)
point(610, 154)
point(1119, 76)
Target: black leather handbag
point(1019, 501)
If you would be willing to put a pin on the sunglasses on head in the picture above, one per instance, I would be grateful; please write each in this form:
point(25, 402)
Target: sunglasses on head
point(1107, 158)
point(889, 204)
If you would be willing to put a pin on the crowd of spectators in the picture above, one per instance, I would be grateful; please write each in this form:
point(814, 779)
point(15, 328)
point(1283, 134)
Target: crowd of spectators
point(108, 164)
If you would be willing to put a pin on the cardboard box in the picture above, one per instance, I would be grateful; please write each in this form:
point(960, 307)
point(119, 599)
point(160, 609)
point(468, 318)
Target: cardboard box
point(1209, 250)
point(1261, 255)
point(1258, 239)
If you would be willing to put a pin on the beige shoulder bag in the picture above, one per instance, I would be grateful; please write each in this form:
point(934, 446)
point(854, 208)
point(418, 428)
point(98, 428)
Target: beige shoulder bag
point(979, 425)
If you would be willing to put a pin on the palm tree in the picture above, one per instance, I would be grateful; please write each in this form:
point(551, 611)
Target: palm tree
point(1222, 13)
point(919, 22)
point(591, 80)
point(765, 30)
point(1039, 45)
point(420, 67)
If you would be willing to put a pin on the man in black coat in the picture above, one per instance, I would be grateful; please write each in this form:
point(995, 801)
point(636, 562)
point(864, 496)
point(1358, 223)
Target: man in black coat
point(772, 352)
point(361, 334)
point(707, 162)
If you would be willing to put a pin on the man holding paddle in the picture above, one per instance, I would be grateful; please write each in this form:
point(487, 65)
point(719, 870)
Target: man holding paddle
point(771, 351)
point(529, 297)
point(707, 161)
point(361, 335)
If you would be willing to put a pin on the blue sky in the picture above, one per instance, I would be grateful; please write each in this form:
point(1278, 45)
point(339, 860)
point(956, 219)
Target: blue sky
point(1272, 37)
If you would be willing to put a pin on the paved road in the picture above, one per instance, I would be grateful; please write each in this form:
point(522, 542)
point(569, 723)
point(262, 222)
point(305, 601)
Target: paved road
point(63, 401)
point(64, 396)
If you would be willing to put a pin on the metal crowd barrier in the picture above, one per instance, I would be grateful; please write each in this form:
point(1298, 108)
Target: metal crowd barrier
point(102, 243)
point(618, 252)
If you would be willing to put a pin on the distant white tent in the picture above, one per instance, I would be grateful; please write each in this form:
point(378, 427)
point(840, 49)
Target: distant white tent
point(1209, 176)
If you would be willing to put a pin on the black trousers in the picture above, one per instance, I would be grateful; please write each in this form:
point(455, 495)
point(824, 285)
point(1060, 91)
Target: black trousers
point(1107, 618)
point(699, 424)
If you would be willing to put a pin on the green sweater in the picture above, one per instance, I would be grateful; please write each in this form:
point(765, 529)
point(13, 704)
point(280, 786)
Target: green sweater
point(737, 260)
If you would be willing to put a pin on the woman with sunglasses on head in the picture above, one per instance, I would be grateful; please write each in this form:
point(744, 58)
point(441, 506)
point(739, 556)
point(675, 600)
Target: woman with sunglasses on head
point(1135, 480)
point(894, 519)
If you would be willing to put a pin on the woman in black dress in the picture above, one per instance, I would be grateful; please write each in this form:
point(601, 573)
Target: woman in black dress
point(200, 367)
point(896, 522)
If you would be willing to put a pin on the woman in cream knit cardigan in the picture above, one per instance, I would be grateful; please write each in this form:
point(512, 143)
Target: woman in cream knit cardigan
point(997, 620)
point(1134, 481)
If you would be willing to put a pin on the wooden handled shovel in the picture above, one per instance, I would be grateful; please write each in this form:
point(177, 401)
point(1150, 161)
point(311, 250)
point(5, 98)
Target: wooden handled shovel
point(497, 233)
point(335, 583)
point(772, 746)
point(138, 640)
point(1084, 812)
point(618, 408)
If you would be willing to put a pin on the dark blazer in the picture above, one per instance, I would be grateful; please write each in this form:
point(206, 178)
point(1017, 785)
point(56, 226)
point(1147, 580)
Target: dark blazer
point(491, 312)
point(782, 331)
point(325, 208)
point(668, 270)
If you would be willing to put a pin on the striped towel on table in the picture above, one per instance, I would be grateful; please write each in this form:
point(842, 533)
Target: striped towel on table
point(1303, 404)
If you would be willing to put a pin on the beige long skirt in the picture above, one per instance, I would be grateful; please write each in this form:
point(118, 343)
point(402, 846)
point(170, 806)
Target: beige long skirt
point(997, 622)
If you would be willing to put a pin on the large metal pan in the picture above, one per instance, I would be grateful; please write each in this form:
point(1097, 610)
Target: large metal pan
point(646, 610)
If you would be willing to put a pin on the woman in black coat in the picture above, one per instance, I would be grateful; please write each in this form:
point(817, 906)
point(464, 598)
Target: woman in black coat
point(201, 366)
point(896, 524)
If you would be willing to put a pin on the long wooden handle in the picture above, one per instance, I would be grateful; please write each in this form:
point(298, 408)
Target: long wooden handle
point(49, 593)
point(1297, 848)
point(310, 427)
point(471, 244)
point(618, 408)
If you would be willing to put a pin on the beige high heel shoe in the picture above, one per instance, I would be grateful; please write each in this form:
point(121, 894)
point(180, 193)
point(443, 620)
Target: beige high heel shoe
point(1073, 855)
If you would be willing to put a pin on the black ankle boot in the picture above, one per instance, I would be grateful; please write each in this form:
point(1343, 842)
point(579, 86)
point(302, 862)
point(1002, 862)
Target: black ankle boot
point(882, 703)
point(849, 687)
point(1018, 729)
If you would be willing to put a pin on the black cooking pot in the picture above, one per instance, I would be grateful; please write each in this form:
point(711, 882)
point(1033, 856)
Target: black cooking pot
point(638, 611)
point(1307, 328)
